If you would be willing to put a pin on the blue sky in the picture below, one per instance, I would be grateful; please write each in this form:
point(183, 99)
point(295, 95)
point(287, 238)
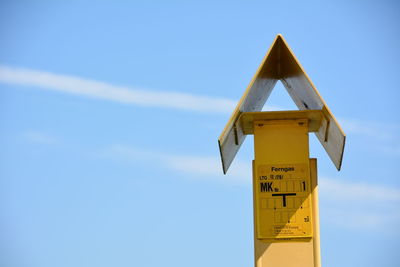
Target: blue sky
point(111, 112)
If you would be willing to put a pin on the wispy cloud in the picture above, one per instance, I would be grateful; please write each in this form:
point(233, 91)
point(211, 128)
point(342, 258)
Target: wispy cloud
point(361, 219)
point(359, 206)
point(375, 136)
point(197, 167)
point(39, 137)
point(347, 190)
point(210, 166)
point(101, 90)
point(375, 130)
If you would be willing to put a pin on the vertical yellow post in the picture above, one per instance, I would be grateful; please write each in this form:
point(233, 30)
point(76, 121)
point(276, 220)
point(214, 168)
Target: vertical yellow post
point(286, 230)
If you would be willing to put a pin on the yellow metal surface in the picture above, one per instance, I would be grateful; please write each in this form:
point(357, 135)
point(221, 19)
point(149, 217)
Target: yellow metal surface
point(282, 186)
point(292, 254)
point(281, 64)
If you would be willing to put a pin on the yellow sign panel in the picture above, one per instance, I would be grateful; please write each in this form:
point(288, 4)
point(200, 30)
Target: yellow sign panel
point(283, 202)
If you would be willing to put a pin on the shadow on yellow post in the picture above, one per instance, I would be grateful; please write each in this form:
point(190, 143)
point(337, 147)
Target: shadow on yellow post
point(286, 222)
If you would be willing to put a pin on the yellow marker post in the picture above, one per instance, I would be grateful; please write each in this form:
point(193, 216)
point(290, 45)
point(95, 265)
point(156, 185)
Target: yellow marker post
point(285, 194)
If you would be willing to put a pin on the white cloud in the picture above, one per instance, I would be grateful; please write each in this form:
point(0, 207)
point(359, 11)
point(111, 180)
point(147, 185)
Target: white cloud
point(373, 136)
point(101, 90)
point(359, 206)
point(375, 130)
point(197, 167)
point(347, 190)
point(209, 166)
point(39, 137)
point(360, 219)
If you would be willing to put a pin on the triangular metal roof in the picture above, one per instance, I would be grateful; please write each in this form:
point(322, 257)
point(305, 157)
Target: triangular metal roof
point(281, 64)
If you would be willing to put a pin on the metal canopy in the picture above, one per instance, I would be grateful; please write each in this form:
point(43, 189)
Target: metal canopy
point(281, 64)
